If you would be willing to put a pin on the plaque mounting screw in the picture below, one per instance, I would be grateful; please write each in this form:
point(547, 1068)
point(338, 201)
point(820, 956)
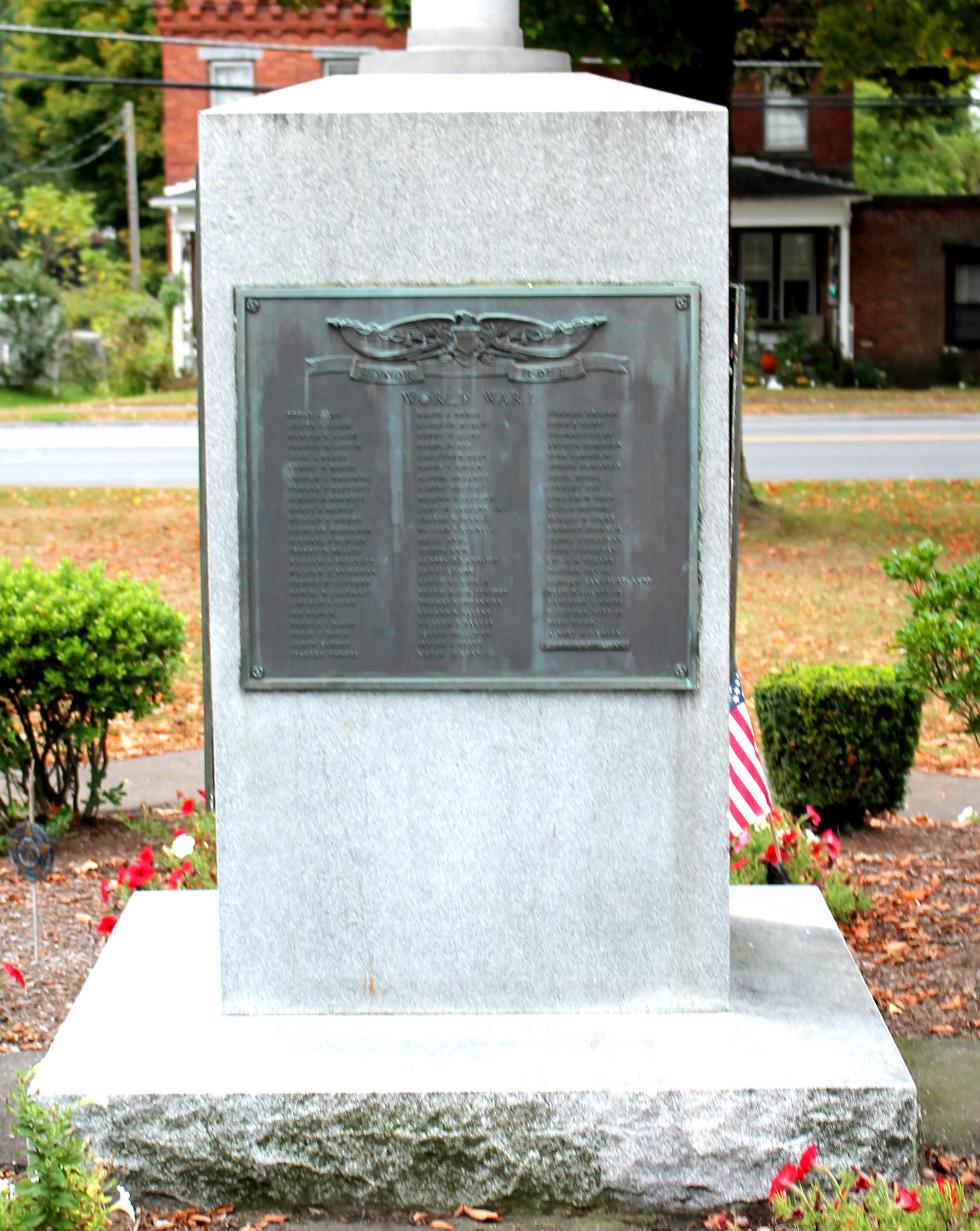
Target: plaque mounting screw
point(680, 671)
point(251, 305)
point(257, 673)
point(682, 303)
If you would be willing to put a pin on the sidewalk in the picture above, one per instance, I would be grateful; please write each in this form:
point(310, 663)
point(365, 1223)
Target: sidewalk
point(156, 781)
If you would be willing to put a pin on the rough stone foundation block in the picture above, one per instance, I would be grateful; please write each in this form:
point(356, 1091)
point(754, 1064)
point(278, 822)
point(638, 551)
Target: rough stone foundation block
point(347, 1113)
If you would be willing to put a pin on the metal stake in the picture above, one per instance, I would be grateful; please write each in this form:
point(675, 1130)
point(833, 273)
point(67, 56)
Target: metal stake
point(30, 819)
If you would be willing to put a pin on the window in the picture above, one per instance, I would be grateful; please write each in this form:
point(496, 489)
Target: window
point(796, 275)
point(963, 297)
point(225, 74)
point(338, 66)
point(755, 270)
point(786, 121)
point(779, 269)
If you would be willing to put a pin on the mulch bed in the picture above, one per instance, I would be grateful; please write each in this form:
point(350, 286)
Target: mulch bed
point(919, 949)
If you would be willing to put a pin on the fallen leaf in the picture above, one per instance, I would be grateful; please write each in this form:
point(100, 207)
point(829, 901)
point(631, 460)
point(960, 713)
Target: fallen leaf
point(417, 1217)
point(949, 1006)
point(88, 866)
point(440, 1224)
point(477, 1215)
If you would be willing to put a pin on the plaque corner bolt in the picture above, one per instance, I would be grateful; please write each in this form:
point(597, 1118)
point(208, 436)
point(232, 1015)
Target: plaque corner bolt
point(682, 303)
point(680, 671)
point(257, 673)
point(252, 305)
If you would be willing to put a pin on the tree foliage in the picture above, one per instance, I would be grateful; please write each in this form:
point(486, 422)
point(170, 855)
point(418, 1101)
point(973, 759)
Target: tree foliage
point(61, 124)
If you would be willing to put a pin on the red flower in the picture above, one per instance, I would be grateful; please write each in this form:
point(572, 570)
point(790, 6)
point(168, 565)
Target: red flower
point(831, 843)
point(146, 856)
point(11, 970)
point(782, 1181)
point(789, 839)
point(807, 1159)
point(139, 874)
point(862, 1183)
point(907, 1199)
point(178, 874)
point(739, 863)
point(948, 1188)
point(186, 807)
point(200, 791)
point(771, 855)
point(106, 924)
point(105, 891)
point(177, 832)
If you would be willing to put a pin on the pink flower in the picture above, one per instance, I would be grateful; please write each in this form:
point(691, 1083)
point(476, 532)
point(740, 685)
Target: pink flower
point(813, 815)
point(106, 924)
point(831, 843)
point(10, 969)
point(105, 891)
point(907, 1199)
point(782, 1181)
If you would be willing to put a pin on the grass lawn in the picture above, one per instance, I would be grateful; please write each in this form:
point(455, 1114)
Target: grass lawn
point(74, 405)
point(810, 585)
point(939, 401)
point(811, 588)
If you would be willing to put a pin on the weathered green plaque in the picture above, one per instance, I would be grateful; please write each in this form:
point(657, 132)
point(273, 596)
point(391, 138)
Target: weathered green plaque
point(468, 488)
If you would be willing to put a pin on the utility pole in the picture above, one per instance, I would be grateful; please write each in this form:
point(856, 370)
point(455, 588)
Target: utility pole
point(132, 195)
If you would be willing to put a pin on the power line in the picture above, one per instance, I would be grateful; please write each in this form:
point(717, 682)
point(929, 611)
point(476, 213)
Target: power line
point(122, 36)
point(812, 102)
point(77, 78)
point(44, 164)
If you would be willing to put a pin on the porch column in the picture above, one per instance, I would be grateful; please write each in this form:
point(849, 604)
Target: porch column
point(844, 322)
point(177, 322)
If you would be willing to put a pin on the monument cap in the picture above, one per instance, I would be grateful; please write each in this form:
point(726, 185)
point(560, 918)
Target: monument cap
point(466, 36)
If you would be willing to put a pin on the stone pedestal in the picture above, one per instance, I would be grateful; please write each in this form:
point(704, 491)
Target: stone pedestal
point(412, 851)
point(528, 1112)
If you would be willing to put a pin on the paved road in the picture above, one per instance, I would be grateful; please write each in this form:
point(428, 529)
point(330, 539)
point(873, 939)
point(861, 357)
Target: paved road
point(862, 446)
point(777, 447)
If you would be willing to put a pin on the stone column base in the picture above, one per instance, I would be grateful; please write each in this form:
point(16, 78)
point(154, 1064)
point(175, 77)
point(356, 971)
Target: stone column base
point(528, 1113)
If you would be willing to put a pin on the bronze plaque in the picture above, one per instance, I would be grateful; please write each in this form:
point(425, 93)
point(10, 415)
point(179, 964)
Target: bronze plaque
point(468, 488)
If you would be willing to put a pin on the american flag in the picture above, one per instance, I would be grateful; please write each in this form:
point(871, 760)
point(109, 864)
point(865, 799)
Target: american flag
point(748, 792)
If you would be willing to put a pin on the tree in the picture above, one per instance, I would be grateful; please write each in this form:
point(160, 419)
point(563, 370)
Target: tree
point(920, 152)
point(64, 124)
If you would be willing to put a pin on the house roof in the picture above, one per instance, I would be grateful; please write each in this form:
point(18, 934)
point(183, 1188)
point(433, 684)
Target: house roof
point(756, 177)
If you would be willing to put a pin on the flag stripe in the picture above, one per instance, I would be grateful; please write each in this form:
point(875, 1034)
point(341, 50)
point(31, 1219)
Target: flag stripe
point(748, 791)
point(752, 773)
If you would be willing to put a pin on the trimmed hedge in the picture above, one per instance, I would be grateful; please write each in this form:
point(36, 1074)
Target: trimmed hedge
point(839, 737)
point(77, 649)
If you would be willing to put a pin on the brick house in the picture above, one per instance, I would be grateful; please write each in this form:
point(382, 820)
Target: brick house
point(792, 202)
point(891, 279)
point(265, 47)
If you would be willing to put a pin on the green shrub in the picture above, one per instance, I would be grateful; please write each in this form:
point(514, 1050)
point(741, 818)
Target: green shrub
point(841, 738)
point(30, 321)
point(64, 1188)
point(77, 649)
point(941, 638)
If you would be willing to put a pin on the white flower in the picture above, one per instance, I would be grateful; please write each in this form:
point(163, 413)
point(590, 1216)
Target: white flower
point(124, 1203)
point(183, 845)
point(967, 814)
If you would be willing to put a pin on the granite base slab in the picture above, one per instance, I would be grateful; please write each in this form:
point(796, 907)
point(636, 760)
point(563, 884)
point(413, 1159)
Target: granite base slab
point(528, 1112)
